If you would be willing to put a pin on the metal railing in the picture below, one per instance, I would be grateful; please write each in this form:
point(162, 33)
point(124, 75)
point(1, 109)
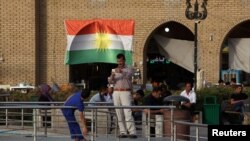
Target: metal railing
point(196, 125)
point(34, 110)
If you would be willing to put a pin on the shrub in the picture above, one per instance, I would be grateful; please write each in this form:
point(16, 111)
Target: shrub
point(221, 93)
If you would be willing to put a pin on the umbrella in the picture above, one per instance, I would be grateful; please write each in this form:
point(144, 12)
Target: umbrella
point(175, 98)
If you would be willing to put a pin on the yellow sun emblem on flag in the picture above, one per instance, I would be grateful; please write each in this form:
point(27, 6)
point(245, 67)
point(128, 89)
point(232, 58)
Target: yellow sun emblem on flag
point(102, 41)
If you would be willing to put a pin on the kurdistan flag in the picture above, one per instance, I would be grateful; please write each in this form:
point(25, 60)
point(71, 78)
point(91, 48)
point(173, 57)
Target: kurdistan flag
point(91, 41)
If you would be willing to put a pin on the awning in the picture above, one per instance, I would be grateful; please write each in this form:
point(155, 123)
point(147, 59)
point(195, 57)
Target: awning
point(239, 54)
point(180, 52)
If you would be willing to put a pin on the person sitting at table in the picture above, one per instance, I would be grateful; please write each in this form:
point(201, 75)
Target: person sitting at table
point(165, 91)
point(191, 95)
point(136, 101)
point(109, 96)
point(233, 82)
point(99, 97)
point(154, 99)
point(237, 99)
point(109, 99)
point(235, 104)
point(221, 83)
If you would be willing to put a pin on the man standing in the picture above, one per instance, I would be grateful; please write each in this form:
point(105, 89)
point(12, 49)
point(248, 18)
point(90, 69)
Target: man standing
point(121, 77)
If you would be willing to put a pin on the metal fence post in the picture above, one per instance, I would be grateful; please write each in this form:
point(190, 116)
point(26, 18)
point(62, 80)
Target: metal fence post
point(34, 124)
point(22, 118)
point(149, 123)
point(197, 133)
point(172, 118)
point(45, 129)
point(174, 132)
point(116, 128)
point(107, 124)
point(95, 123)
point(92, 125)
point(6, 117)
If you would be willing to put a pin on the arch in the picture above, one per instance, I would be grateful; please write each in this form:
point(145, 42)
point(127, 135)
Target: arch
point(176, 26)
point(234, 30)
point(228, 30)
point(155, 27)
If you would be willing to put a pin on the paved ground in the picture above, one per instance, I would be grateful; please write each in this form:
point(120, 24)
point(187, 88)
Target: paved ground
point(21, 135)
point(11, 138)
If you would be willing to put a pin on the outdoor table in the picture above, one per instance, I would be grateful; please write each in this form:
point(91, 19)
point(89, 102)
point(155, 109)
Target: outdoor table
point(179, 115)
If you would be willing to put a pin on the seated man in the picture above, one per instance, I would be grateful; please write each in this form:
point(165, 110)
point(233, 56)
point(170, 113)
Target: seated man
point(232, 111)
point(109, 96)
point(237, 99)
point(109, 99)
point(221, 83)
point(99, 97)
point(165, 90)
point(233, 82)
point(191, 95)
point(137, 113)
point(154, 99)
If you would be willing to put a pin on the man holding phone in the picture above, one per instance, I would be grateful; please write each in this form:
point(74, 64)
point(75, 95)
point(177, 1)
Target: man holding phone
point(121, 77)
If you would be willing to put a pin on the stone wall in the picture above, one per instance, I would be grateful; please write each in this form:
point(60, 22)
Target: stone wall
point(33, 38)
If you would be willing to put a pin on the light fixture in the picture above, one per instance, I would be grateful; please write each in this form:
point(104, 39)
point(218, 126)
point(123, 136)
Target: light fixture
point(141, 63)
point(211, 37)
point(166, 29)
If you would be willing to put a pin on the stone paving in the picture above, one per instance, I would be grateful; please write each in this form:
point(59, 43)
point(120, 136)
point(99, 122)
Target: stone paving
point(21, 135)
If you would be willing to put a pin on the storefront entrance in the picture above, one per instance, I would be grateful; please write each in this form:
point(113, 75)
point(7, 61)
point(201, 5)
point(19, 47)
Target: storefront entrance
point(93, 74)
point(170, 55)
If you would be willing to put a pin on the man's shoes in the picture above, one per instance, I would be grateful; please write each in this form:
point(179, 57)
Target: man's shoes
point(123, 136)
point(132, 136)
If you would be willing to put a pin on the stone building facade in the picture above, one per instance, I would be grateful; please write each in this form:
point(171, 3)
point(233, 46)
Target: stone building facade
point(33, 36)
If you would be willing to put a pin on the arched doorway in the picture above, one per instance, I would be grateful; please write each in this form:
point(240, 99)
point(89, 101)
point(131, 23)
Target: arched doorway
point(234, 53)
point(162, 50)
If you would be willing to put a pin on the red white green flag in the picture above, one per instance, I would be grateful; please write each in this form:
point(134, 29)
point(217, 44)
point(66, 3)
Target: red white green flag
point(91, 41)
